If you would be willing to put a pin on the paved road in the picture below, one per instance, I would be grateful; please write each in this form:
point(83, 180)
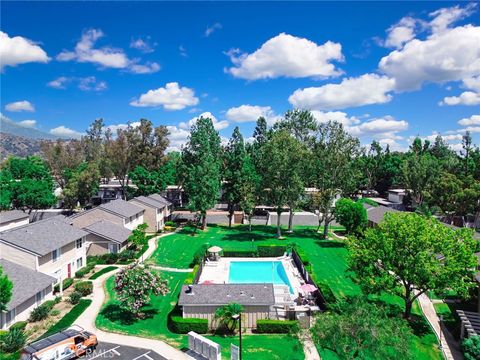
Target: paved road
point(119, 352)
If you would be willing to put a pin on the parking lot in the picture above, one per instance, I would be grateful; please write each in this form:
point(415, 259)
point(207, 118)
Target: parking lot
point(115, 351)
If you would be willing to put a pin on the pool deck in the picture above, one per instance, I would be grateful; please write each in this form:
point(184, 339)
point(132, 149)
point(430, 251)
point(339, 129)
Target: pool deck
point(217, 272)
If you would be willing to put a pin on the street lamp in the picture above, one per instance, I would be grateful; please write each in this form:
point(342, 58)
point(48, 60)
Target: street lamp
point(238, 317)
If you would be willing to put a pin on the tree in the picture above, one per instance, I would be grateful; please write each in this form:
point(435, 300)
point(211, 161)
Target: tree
point(352, 215)
point(138, 236)
point(224, 314)
point(333, 161)
point(82, 184)
point(201, 159)
point(135, 284)
point(356, 329)
point(471, 348)
point(282, 181)
point(408, 255)
point(6, 288)
point(249, 185)
point(300, 123)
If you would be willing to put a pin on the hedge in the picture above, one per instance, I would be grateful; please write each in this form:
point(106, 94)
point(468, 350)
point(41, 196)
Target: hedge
point(240, 253)
point(84, 270)
point(84, 287)
point(182, 325)
point(69, 318)
point(66, 284)
point(271, 250)
point(277, 326)
point(326, 291)
point(303, 256)
point(21, 325)
point(103, 271)
point(191, 275)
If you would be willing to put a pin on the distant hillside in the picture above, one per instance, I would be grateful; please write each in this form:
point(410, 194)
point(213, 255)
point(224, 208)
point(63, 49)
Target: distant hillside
point(12, 128)
point(13, 145)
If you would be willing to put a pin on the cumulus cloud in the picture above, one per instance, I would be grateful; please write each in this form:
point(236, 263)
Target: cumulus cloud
point(385, 127)
point(401, 32)
point(450, 55)
point(171, 97)
point(115, 127)
point(178, 137)
point(19, 50)
point(211, 29)
point(65, 132)
point(59, 83)
point(144, 45)
point(351, 92)
point(106, 56)
point(472, 120)
point(445, 17)
point(28, 123)
point(18, 106)
point(288, 56)
point(90, 83)
point(248, 113)
point(183, 51)
point(218, 125)
point(465, 98)
point(338, 116)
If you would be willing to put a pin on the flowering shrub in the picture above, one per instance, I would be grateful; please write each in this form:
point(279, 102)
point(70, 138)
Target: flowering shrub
point(135, 284)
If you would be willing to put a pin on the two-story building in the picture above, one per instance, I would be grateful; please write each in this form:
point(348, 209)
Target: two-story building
point(168, 209)
point(12, 219)
point(154, 215)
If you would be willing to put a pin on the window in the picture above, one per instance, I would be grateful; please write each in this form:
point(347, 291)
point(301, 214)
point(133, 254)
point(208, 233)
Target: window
point(39, 296)
point(79, 243)
point(79, 263)
point(56, 255)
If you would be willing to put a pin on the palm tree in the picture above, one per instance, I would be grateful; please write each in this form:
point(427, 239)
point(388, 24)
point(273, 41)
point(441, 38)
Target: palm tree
point(225, 313)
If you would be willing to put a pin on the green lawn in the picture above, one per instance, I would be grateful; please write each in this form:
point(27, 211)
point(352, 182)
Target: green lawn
point(69, 318)
point(112, 318)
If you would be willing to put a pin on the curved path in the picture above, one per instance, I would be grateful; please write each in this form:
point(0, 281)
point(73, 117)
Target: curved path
point(87, 319)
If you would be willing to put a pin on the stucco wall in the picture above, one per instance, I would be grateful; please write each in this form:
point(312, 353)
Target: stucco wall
point(18, 256)
point(69, 255)
point(249, 317)
point(97, 245)
point(133, 222)
point(14, 224)
point(150, 216)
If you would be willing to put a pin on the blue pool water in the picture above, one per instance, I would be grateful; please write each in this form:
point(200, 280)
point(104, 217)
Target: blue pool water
point(258, 272)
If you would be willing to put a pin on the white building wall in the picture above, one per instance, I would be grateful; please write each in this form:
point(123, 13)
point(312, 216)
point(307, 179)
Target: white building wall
point(132, 222)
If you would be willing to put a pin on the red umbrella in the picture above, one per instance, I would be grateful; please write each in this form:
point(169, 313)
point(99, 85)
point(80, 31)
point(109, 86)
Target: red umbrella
point(308, 288)
point(207, 282)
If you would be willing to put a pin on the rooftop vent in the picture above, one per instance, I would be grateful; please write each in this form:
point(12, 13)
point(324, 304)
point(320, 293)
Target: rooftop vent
point(242, 293)
point(189, 290)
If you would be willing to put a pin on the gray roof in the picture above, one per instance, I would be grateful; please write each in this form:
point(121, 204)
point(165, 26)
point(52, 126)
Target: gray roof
point(43, 236)
point(122, 208)
point(26, 282)
point(160, 198)
point(148, 201)
point(13, 215)
point(109, 230)
point(222, 294)
point(376, 214)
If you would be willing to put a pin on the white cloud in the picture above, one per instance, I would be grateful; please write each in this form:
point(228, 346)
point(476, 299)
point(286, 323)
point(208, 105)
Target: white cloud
point(18, 106)
point(145, 46)
point(450, 55)
point(211, 29)
point(178, 137)
point(338, 116)
point(65, 132)
point(401, 32)
point(393, 144)
point(472, 83)
point(28, 123)
point(19, 50)
point(171, 97)
point(472, 120)
point(247, 113)
point(115, 127)
point(445, 17)
point(472, 129)
point(108, 57)
point(364, 90)
point(59, 83)
point(433, 136)
point(465, 98)
point(288, 56)
point(385, 127)
point(183, 51)
point(90, 83)
point(218, 125)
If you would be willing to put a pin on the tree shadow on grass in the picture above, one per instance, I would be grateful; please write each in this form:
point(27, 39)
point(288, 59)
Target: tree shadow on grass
point(116, 314)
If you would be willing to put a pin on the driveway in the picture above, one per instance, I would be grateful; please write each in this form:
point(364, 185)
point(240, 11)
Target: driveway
point(120, 352)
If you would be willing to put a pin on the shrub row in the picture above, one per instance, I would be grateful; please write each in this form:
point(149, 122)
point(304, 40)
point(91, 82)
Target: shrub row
point(277, 326)
point(103, 271)
point(171, 223)
point(240, 253)
point(84, 287)
point(42, 311)
point(182, 325)
point(66, 284)
point(69, 318)
point(191, 275)
point(84, 270)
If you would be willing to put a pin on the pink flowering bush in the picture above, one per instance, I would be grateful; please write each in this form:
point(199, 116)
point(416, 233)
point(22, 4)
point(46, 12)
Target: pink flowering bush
point(135, 284)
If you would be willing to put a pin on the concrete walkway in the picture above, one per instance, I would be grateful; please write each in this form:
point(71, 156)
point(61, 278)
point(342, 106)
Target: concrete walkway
point(170, 269)
point(309, 348)
point(450, 348)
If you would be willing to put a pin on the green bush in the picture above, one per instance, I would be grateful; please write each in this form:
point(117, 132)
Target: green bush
point(13, 341)
point(326, 291)
point(182, 325)
point(19, 325)
point(303, 256)
point(66, 284)
point(103, 271)
point(84, 287)
point(471, 348)
point(49, 304)
point(39, 313)
point(277, 327)
point(85, 270)
point(126, 255)
point(110, 258)
point(171, 223)
point(74, 298)
point(69, 318)
point(271, 250)
point(55, 312)
point(199, 254)
point(191, 275)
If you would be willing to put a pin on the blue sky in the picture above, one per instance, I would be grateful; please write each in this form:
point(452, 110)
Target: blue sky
point(387, 70)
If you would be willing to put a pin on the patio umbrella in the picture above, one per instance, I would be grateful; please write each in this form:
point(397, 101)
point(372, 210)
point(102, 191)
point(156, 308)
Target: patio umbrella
point(214, 249)
point(207, 282)
point(308, 288)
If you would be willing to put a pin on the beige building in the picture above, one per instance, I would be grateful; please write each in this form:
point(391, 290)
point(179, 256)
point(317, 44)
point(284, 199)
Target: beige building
point(12, 219)
point(201, 301)
point(154, 215)
point(30, 289)
point(106, 237)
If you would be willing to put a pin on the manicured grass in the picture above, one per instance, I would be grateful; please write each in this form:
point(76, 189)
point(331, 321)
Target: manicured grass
point(69, 318)
point(154, 325)
point(103, 271)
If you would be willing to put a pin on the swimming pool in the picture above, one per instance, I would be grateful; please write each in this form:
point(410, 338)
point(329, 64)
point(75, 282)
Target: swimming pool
point(258, 272)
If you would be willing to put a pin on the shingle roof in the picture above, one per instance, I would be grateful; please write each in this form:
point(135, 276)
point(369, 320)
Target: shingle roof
point(160, 198)
point(122, 208)
point(8, 216)
point(109, 230)
point(43, 236)
point(150, 202)
point(376, 214)
point(222, 294)
point(26, 282)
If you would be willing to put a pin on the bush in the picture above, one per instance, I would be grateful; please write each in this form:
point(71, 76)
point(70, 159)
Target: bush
point(170, 223)
point(55, 312)
point(326, 291)
point(126, 255)
point(271, 250)
point(66, 284)
point(74, 298)
point(13, 341)
point(103, 271)
point(199, 254)
point(277, 327)
point(303, 256)
point(84, 287)
point(85, 270)
point(191, 275)
point(471, 348)
point(39, 313)
point(49, 304)
point(182, 325)
point(169, 228)
point(69, 318)
point(110, 258)
point(21, 325)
